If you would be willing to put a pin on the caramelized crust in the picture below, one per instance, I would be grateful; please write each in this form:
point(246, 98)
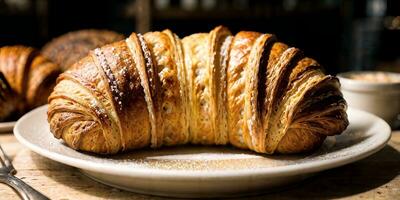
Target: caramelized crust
point(247, 90)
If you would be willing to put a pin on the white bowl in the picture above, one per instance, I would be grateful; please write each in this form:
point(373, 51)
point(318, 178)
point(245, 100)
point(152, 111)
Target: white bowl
point(380, 98)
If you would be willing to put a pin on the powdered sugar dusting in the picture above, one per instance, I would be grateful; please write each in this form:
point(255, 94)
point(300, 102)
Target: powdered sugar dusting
point(147, 58)
point(113, 83)
point(101, 112)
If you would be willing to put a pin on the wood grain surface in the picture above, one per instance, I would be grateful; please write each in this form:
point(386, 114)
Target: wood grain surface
point(376, 177)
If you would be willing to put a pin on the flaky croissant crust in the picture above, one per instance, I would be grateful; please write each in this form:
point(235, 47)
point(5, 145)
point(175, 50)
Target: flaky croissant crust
point(248, 90)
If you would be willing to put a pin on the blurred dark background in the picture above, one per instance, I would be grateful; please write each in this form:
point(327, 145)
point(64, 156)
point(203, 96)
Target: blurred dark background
point(342, 35)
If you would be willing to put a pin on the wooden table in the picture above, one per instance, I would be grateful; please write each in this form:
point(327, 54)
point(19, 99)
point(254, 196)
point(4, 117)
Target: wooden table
point(376, 177)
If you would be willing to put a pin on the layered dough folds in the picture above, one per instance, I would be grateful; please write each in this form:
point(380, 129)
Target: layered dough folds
point(247, 90)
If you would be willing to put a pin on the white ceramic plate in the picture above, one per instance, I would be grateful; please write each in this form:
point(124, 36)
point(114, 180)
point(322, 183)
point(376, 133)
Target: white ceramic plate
point(6, 126)
point(195, 171)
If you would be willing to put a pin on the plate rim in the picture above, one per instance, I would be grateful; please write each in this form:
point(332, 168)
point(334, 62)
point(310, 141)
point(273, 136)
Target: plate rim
point(278, 171)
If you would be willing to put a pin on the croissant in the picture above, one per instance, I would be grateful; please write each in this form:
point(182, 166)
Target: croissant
point(247, 90)
point(27, 79)
point(67, 49)
point(8, 104)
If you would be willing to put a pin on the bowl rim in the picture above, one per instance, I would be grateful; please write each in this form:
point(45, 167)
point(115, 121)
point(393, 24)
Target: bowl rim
point(359, 85)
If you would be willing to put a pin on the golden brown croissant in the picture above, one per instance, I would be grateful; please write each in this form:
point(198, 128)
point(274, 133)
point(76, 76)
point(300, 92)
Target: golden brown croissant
point(67, 49)
point(248, 90)
point(28, 79)
point(8, 102)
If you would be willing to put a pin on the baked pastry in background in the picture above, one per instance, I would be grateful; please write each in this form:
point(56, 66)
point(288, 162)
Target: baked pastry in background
point(8, 99)
point(67, 49)
point(248, 90)
point(27, 80)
